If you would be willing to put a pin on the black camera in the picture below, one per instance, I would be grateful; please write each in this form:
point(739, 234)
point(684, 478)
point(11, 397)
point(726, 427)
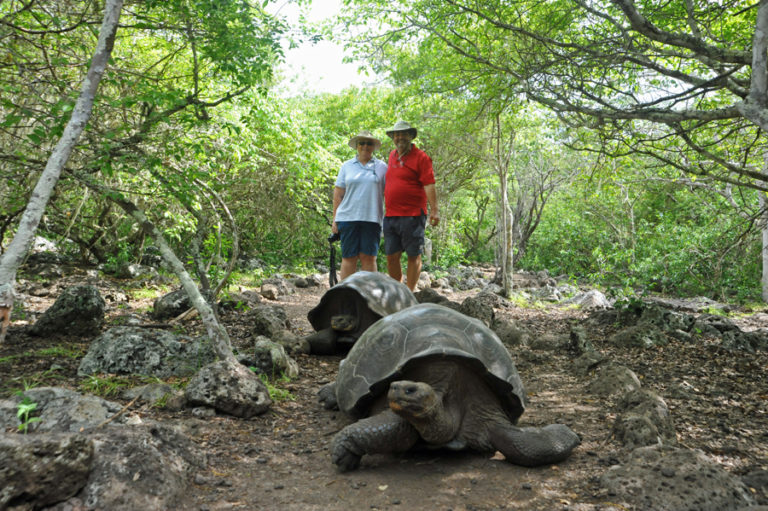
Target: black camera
point(335, 236)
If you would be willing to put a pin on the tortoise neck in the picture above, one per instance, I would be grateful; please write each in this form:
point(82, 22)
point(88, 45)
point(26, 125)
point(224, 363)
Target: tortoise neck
point(436, 426)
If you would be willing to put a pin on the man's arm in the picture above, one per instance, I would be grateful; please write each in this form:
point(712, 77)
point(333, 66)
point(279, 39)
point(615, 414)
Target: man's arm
point(434, 216)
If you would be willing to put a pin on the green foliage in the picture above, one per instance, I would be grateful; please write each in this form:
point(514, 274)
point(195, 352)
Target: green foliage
point(656, 237)
point(275, 392)
point(105, 385)
point(153, 133)
point(24, 411)
point(60, 351)
point(147, 293)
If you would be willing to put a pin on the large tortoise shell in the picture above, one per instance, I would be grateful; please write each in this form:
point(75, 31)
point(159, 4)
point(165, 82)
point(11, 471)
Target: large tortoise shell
point(382, 294)
point(411, 335)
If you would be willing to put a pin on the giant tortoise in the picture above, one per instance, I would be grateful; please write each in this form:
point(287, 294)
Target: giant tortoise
point(347, 309)
point(429, 374)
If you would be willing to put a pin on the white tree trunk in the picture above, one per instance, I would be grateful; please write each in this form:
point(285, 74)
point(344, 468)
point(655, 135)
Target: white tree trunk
point(501, 149)
point(506, 238)
point(755, 105)
point(763, 223)
point(30, 219)
point(764, 230)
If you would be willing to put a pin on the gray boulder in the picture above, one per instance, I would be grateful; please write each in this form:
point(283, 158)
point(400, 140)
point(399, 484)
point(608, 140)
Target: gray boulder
point(548, 342)
point(430, 296)
point(275, 287)
point(79, 310)
point(40, 470)
point(643, 419)
point(145, 351)
point(135, 271)
point(171, 305)
point(270, 358)
point(59, 410)
point(508, 332)
point(147, 467)
point(578, 341)
point(267, 320)
point(481, 307)
point(229, 387)
point(642, 335)
point(243, 301)
point(588, 362)
point(158, 394)
point(664, 477)
point(592, 299)
point(548, 293)
point(612, 379)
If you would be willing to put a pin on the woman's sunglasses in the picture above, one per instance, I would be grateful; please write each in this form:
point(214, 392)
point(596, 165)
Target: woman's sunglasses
point(366, 142)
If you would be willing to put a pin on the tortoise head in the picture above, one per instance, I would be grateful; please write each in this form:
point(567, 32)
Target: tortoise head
point(412, 399)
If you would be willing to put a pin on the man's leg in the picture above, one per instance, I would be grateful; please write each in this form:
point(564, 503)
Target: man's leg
point(413, 271)
point(367, 262)
point(348, 267)
point(393, 266)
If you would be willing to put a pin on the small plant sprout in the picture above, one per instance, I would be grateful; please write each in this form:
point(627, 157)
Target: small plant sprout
point(24, 409)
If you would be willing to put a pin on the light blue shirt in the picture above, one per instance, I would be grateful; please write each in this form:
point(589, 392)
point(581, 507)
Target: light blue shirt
point(363, 191)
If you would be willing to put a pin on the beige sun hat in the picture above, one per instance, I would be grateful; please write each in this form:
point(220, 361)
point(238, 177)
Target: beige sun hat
point(401, 126)
point(364, 134)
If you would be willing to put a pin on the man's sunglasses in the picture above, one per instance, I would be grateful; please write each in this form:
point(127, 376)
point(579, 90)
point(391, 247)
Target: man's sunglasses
point(366, 142)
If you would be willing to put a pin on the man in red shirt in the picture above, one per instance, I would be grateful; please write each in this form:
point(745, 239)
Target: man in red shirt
point(410, 184)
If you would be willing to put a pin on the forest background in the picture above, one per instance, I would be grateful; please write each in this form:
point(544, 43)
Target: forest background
point(618, 142)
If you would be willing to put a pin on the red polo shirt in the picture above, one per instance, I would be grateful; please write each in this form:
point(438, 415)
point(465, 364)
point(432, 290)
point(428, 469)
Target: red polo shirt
point(404, 185)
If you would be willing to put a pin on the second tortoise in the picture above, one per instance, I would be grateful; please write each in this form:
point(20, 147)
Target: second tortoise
point(347, 309)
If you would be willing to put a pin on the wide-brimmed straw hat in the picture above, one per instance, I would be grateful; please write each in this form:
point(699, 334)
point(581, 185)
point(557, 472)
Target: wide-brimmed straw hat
point(401, 126)
point(365, 135)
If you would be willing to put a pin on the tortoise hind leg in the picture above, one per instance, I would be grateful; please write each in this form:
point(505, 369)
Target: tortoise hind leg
point(532, 447)
point(382, 433)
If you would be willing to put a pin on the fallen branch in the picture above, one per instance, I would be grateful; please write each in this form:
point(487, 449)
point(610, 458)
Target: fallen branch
point(118, 414)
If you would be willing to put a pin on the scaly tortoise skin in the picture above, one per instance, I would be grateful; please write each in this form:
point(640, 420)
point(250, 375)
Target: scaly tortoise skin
point(347, 309)
point(429, 374)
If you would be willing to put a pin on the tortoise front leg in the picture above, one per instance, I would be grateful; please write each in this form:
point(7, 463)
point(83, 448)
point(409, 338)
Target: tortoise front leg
point(382, 433)
point(327, 396)
point(323, 342)
point(531, 447)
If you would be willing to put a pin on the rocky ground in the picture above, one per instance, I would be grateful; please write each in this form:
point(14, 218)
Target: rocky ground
point(718, 400)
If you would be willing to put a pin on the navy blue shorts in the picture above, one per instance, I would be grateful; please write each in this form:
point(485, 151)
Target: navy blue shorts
point(404, 234)
point(359, 238)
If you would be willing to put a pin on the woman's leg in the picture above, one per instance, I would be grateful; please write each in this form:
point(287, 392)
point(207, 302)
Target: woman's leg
point(348, 266)
point(367, 262)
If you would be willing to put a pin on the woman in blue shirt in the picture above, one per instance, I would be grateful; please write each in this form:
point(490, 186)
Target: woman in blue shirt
point(358, 205)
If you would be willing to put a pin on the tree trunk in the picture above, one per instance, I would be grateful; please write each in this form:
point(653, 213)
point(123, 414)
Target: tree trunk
point(502, 156)
point(506, 237)
point(25, 233)
point(764, 230)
